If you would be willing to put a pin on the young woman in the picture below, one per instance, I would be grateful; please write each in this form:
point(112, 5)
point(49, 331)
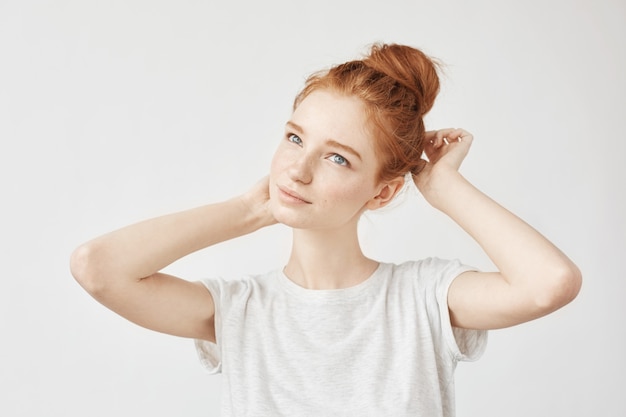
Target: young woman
point(334, 332)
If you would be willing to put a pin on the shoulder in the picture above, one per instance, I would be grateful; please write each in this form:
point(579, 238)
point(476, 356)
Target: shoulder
point(243, 287)
point(431, 268)
point(425, 278)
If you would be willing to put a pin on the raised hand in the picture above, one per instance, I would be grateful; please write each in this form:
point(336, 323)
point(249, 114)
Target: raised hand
point(448, 146)
point(445, 150)
point(122, 269)
point(257, 200)
point(520, 290)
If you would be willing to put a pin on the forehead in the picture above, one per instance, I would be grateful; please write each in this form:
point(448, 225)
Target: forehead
point(326, 115)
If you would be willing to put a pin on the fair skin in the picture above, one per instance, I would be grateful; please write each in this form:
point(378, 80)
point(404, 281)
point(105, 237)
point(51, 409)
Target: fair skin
point(338, 183)
point(322, 178)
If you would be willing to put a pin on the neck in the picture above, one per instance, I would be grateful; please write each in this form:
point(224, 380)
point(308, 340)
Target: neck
point(328, 259)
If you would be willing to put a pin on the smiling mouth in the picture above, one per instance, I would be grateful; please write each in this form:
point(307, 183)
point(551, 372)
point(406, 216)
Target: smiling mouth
point(291, 196)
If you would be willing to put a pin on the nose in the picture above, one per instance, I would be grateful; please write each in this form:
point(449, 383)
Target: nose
point(301, 170)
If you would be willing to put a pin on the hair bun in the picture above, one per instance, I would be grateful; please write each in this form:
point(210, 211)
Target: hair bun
point(410, 67)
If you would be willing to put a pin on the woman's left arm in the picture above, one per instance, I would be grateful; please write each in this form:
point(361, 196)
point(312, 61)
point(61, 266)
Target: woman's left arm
point(534, 277)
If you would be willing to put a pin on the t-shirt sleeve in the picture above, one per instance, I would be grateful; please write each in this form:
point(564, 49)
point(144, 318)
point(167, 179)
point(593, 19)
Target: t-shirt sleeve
point(209, 353)
point(463, 344)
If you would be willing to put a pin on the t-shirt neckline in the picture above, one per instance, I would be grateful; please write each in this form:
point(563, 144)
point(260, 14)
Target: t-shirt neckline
point(340, 294)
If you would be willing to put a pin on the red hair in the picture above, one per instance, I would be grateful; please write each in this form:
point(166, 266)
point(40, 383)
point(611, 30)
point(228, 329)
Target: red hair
point(398, 85)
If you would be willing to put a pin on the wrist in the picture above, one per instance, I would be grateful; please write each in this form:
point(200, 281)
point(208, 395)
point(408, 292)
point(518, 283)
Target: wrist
point(441, 188)
point(255, 214)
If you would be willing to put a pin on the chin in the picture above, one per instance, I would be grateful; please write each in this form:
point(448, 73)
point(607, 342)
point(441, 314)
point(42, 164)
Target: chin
point(289, 219)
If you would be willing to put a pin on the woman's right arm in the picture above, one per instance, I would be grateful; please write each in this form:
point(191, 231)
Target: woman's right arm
point(121, 269)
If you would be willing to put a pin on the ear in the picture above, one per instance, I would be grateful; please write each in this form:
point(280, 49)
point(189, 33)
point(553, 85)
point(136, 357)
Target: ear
point(386, 193)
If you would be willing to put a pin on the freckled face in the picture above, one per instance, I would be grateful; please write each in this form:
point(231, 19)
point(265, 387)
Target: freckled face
point(323, 174)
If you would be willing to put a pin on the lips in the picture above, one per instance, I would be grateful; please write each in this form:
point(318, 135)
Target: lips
point(291, 196)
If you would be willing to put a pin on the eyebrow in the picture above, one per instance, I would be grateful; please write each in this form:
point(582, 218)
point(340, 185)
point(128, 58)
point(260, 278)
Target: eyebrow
point(330, 142)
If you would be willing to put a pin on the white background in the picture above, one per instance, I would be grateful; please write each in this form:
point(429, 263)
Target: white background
point(114, 111)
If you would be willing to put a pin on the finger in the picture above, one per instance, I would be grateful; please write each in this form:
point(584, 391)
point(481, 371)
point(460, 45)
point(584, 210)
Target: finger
point(460, 135)
point(441, 136)
point(442, 133)
point(429, 136)
point(432, 154)
point(430, 144)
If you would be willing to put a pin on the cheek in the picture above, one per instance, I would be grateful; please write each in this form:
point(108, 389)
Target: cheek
point(274, 159)
point(273, 176)
point(276, 165)
point(281, 159)
point(349, 193)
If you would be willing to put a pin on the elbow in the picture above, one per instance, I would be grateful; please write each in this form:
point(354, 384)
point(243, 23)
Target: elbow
point(84, 269)
point(561, 288)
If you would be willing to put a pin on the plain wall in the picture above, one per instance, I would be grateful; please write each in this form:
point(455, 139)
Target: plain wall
point(115, 111)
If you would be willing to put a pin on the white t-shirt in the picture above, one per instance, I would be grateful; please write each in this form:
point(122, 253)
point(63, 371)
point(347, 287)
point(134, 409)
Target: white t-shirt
point(384, 347)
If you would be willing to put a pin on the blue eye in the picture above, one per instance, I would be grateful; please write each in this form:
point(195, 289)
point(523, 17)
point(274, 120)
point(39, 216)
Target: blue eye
point(338, 159)
point(294, 138)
